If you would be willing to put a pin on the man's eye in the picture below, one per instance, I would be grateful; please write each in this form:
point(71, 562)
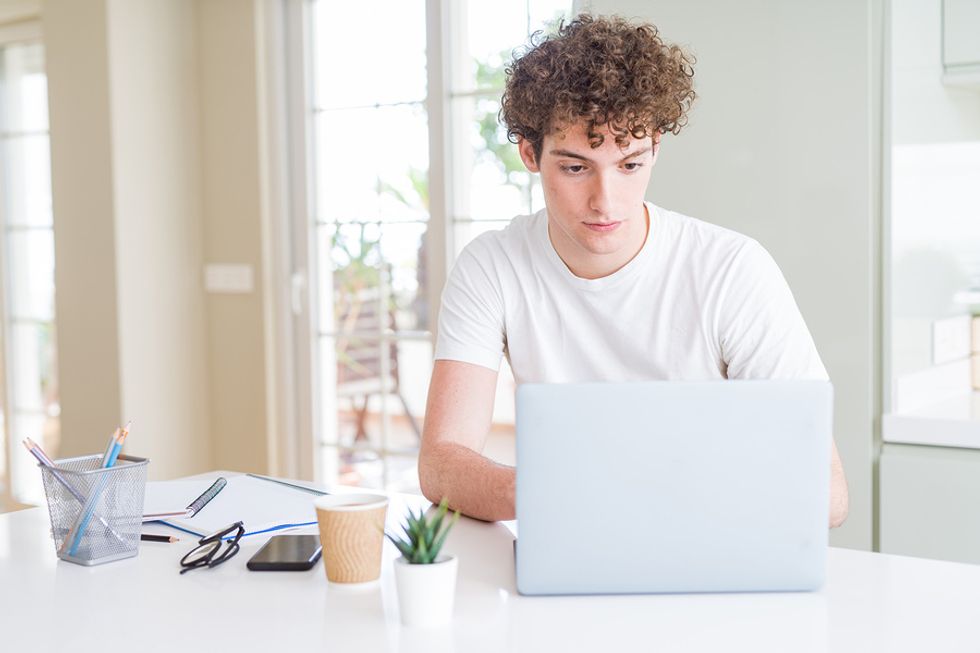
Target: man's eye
point(632, 166)
point(574, 169)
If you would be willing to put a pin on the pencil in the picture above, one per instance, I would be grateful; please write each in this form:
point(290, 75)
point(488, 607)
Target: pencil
point(120, 437)
point(149, 537)
point(109, 447)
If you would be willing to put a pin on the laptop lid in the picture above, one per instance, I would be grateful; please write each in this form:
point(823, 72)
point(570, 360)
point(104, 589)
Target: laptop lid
point(718, 486)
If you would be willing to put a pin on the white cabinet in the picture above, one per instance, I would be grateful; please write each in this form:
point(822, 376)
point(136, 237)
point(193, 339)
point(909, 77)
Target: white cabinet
point(961, 40)
point(930, 502)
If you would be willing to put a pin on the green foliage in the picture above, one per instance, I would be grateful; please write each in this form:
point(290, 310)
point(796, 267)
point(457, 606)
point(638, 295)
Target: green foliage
point(497, 149)
point(357, 262)
point(491, 74)
point(490, 77)
point(357, 278)
point(424, 536)
point(419, 182)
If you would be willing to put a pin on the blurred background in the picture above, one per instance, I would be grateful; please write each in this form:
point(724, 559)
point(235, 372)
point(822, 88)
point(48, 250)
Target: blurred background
point(231, 220)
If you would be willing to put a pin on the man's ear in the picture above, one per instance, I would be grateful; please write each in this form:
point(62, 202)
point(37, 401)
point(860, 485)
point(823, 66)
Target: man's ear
point(526, 149)
point(657, 135)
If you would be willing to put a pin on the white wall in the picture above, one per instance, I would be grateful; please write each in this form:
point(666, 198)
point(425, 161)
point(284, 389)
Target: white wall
point(125, 184)
point(155, 171)
point(12, 11)
point(76, 56)
point(782, 146)
point(154, 108)
point(232, 224)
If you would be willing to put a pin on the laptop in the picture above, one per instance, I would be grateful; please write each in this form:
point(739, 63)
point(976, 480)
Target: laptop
point(717, 486)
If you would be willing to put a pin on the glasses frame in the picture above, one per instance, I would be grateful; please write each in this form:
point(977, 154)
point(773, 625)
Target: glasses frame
point(214, 542)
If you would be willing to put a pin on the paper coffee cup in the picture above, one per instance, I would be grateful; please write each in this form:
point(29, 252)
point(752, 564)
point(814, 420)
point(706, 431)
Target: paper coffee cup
point(352, 534)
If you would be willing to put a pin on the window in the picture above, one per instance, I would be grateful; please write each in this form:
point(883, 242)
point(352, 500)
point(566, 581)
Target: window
point(381, 243)
point(28, 378)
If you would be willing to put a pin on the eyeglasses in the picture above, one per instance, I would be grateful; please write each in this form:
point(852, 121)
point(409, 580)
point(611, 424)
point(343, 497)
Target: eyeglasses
point(209, 551)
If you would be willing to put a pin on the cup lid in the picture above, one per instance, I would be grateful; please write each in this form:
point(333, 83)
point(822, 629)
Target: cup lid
point(362, 501)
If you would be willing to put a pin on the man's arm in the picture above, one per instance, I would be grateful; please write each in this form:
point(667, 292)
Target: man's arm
point(838, 490)
point(457, 420)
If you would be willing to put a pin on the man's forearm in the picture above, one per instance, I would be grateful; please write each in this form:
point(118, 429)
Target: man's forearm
point(475, 485)
point(838, 491)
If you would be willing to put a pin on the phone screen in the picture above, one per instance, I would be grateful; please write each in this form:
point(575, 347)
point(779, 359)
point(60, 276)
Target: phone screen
point(288, 553)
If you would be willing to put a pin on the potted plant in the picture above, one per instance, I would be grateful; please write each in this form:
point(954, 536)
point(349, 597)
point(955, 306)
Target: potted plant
point(426, 581)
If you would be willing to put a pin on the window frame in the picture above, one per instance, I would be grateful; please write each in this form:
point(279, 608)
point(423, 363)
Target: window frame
point(310, 381)
point(19, 32)
point(305, 287)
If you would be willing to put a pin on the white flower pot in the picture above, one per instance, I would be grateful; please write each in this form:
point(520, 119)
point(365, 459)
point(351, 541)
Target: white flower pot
point(426, 592)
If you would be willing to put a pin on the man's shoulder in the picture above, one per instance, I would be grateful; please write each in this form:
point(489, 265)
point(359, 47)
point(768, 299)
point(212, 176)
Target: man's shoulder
point(509, 242)
point(718, 256)
point(703, 235)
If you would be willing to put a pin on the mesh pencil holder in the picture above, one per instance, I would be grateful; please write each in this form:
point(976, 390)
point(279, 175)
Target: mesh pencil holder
point(96, 512)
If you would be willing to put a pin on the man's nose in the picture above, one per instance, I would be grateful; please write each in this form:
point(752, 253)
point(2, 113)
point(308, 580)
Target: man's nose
point(601, 199)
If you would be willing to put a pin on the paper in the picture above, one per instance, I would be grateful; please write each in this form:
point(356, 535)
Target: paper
point(260, 505)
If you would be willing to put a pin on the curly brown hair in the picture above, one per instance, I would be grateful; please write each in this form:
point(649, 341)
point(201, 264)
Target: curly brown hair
point(606, 71)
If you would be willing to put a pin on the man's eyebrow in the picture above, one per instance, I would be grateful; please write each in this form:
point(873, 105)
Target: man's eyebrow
point(572, 155)
point(642, 150)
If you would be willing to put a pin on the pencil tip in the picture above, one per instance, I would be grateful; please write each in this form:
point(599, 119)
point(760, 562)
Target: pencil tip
point(124, 431)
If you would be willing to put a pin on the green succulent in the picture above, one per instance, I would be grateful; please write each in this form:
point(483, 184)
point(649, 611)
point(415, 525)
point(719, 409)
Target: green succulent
point(424, 535)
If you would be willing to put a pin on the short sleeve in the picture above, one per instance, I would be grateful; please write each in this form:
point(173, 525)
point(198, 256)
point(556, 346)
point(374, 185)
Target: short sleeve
point(762, 332)
point(471, 315)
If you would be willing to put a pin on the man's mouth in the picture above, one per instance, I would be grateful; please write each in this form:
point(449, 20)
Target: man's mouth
point(603, 227)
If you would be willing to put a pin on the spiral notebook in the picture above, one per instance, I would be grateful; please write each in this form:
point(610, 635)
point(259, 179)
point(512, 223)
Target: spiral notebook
point(262, 504)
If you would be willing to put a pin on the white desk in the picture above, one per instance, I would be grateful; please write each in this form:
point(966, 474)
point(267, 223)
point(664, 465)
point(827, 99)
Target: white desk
point(872, 602)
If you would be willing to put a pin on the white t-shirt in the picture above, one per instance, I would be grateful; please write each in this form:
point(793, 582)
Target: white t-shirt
point(698, 302)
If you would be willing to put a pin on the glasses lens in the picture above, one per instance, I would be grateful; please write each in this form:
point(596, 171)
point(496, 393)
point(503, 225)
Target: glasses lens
point(200, 553)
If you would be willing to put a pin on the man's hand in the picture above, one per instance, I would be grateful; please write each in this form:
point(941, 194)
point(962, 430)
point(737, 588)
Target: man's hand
point(457, 420)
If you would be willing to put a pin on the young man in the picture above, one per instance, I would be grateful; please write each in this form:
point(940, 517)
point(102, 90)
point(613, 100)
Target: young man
point(600, 286)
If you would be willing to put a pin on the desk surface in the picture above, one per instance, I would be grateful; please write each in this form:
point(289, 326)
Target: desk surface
point(871, 602)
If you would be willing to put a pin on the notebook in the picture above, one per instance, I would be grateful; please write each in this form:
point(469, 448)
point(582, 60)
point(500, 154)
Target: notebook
point(718, 486)
point(261, 504)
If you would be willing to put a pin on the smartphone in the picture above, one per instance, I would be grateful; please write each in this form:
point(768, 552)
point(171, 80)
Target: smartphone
point(287, 553)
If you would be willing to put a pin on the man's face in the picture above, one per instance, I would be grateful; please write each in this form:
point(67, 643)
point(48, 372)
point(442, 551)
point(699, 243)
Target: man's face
point(596, 218)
